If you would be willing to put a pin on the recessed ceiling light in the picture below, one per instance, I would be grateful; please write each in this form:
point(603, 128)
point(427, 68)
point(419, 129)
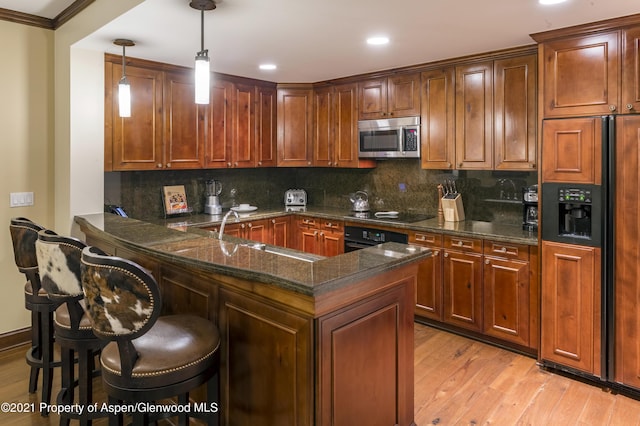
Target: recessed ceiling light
point(268, 67)
point(378, 40)
point(551, 1)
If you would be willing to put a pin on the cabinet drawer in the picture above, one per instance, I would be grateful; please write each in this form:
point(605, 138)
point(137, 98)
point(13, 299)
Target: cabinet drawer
point(506, 250)
point(462, 243)
point(308, 221)
point(426, 239)
point(334, 225)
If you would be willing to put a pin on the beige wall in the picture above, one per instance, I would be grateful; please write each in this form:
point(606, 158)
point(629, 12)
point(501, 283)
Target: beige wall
point(26, 148)
point(50, 145)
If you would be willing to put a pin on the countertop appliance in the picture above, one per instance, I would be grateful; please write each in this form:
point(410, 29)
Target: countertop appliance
point(389, 138)
point(356, 237)
point(360, 201)
point(212, 197)
point(295, 200)
point(530, 208)
point(596, 222)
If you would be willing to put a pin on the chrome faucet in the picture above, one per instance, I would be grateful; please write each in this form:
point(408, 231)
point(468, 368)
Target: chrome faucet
point(224, 221)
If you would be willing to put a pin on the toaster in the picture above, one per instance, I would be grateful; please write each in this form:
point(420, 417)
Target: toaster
point(295, 197)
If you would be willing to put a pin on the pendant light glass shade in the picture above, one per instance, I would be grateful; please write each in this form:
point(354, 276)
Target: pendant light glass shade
point(124, 88)
point(202, 78)
point(202, 68)
point(124, 97)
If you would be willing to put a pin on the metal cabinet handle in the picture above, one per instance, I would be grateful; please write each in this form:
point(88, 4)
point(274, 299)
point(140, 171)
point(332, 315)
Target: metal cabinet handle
point(159, 165)
point(273, 221)
point(446, 254)
point(487, 261)
point(503, 250)
point(249, 225)
point(629, 107)
point(460, 243)
point(436, 253)
point(229, 164)
point(259, 163)
point(612, 107)
point(242, 225)
point(168, 165)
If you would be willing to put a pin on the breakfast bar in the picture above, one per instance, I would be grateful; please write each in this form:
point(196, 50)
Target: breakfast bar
point(306, 340)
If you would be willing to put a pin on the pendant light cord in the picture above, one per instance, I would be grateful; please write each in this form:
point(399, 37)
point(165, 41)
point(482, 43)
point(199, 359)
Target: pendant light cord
point(124, 65)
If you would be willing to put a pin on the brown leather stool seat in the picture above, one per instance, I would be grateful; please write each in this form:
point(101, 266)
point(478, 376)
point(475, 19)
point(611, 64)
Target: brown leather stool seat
point(59, 266)
point(24, 234)
point(149, 358)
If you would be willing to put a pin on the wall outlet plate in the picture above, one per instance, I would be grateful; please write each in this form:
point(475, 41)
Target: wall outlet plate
point(20, 199)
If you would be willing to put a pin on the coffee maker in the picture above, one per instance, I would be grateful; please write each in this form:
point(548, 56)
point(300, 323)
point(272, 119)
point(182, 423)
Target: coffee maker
point(212, 197)
point(530, 208)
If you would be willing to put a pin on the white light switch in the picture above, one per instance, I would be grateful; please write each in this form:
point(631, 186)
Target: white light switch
point(20, 199)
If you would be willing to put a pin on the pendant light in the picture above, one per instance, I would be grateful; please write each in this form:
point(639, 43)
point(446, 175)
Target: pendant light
point(202, 71)
point(124, 88)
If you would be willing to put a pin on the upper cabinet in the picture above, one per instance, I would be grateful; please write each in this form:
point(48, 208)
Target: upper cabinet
point(168, 130)
point(591, 69)
point(136, 142)
point(335, 124)
point(393, 96)
point(480, 115)
point(295, 106)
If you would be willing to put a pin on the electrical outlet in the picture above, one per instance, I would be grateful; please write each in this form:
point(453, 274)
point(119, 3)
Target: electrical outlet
point(20, 199)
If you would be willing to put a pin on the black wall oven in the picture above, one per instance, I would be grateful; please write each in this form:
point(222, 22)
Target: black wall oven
point(356, 237)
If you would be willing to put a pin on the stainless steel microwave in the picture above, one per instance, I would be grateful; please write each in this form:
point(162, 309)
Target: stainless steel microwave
point(389, 138)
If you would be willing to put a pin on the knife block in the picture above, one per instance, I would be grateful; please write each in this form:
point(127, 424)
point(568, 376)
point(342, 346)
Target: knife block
point(453, 208)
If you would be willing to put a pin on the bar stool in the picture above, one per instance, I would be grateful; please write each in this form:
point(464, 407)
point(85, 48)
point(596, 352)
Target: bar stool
point(59, 266)
point(149, 357)
point(24, 234)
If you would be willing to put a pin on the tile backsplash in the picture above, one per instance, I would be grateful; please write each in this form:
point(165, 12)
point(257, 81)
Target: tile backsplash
point(399, 185)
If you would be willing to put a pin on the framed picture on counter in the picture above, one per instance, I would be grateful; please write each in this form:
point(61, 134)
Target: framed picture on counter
point(175, 199)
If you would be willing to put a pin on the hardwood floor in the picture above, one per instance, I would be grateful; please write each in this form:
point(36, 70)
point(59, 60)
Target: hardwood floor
point(457, 382)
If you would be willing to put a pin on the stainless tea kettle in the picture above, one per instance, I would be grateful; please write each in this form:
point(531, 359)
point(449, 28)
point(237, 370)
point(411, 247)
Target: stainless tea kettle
point(360, 201)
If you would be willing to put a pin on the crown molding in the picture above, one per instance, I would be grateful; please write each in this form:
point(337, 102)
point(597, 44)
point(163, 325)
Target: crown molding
point(38, 21)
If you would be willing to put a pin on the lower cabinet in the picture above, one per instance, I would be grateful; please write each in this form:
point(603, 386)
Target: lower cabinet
point(319, 236)
point(571, 306)
point(487, 287)
point(463, 282)
point(274, 231)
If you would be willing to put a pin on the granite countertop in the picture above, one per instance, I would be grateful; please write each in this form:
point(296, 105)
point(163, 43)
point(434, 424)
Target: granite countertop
point(467, 228)
point(307, 274)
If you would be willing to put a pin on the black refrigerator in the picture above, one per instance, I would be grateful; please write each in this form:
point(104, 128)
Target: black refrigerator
point(590, 237)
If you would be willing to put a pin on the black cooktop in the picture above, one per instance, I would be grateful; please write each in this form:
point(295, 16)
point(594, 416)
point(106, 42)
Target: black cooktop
point(400, 217)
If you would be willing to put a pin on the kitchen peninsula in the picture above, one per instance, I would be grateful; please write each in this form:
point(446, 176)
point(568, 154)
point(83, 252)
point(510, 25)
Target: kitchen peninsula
point(305, 340)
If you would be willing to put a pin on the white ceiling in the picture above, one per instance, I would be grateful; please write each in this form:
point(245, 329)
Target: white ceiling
point(313, 40)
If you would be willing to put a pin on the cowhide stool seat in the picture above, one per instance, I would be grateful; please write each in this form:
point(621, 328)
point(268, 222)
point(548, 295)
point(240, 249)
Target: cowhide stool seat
point(149, 358)
point(59, 266)
point(24, 234)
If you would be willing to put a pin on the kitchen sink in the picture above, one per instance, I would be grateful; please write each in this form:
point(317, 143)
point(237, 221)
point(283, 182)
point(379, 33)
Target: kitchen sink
point(281, 251)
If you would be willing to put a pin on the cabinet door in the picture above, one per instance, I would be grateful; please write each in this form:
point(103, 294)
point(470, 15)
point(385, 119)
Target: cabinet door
point(184, 123)
point(332, 243)
point(630, 97)
point(570, 320)
point(309, 240)
point(295, 125)
point(506, 299)
point(372, 95)
point(136, 141)
point(403, 95)
point(345, 127)
point(323, 154)
point(572, 150)
point(266, 127)
point(244, 126)
point(219, 139)
point(280, 230)
point(264, 340)
point(514, 112)
point(581, 75)
point(474, 116)
point(463, 289)
point(627, 257)
point(429, 280)
point(437, 129)
point(258, 230)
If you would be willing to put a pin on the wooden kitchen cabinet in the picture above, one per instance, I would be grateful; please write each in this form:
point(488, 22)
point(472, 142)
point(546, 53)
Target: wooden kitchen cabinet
point(437, 119)
point(570, 309)
point(136, 142)
point(280, 232)
point(506, 292)
point(393, 96)
point(319, 236)
point(474, 116)
point(514, 111)
point(295, 124)
point(184, 123)
point(462, 278)
point(219, 141)
point(591, 69)
point(429, 281)
point(572, 150)
point(266, 126)
point(335, 142)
